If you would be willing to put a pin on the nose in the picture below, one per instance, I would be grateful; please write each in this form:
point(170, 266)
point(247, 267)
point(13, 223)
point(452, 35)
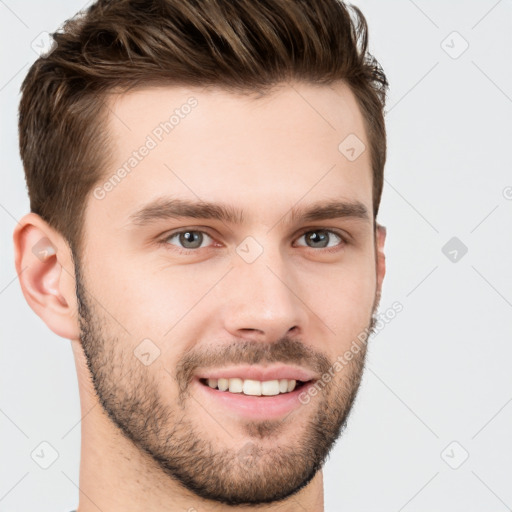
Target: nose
point(262, 300)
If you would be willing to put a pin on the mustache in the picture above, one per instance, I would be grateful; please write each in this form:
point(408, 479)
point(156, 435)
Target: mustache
point(285, 350)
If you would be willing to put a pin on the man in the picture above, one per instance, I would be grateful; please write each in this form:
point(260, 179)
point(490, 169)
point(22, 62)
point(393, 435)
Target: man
point(204, 180)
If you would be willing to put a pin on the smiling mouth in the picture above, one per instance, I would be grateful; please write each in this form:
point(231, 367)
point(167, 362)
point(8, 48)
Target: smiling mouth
point(254, 387)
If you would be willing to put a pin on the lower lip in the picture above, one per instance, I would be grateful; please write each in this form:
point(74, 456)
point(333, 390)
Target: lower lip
point(254, 407)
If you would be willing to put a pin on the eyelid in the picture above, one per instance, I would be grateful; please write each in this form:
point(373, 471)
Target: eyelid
point(344, 236)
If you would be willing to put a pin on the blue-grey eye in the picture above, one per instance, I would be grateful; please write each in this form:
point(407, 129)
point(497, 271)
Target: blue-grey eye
point(320, 238)
point(189, 239)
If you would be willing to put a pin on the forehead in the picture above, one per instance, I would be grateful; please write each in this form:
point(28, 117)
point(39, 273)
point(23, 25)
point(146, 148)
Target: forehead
point(263, 155)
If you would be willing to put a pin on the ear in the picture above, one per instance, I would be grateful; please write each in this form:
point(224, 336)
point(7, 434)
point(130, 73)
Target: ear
point(380, 257)
point(45, 269)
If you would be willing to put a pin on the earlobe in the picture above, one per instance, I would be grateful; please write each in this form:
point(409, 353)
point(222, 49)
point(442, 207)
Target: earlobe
point(46, 274)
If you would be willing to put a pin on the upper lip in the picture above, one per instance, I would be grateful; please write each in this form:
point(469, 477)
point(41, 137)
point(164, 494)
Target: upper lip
point(261, 373)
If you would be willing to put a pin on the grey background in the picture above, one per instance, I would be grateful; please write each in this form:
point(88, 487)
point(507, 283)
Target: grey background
point(438, 385)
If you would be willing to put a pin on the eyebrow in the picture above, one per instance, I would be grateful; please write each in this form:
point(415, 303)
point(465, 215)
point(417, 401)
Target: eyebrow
point(167, 208)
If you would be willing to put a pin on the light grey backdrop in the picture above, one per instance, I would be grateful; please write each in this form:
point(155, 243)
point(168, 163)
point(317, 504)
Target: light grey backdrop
point(431, 428)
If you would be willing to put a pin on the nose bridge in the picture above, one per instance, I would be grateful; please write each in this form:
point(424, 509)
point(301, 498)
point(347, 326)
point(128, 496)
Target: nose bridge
point(260, 293)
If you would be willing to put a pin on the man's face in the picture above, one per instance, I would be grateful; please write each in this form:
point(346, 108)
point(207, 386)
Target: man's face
point(174, 307)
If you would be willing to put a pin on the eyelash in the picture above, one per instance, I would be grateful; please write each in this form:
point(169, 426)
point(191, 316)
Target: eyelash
point(183, 250)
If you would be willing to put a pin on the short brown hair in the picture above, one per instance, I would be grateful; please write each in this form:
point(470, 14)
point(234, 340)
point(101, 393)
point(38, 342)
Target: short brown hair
point(119, 45)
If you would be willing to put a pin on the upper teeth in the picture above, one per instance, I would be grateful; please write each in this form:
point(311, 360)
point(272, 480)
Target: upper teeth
point(253, 387)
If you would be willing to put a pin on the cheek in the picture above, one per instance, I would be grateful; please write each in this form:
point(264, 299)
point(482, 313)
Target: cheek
point(130, 296)
point(343, 299)
point(151, 301)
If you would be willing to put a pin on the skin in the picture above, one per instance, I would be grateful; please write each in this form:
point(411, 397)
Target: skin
point(294, 303)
